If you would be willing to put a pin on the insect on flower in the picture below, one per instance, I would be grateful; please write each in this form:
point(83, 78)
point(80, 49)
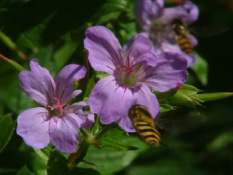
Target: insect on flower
point(144, 124)
point(182, 33)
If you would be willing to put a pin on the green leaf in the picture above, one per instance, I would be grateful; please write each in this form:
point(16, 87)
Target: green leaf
point(58, 164)
point(113, 139)
point(108, 160)
point(63, 54)
point(90, 85)
point(24, 171)
point(96, 125)
point(7, 127)
point(200, 68)
point(16, 99)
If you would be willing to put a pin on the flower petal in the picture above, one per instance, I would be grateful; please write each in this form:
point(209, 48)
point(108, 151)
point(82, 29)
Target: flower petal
point(65, 79)
point(63, 132)
point(142, 96)
point(168, 47)
point(169, 72)
point(110, 100)
point(75, 107)
point(146, 11)
point(192, 12)
point(38, 83)
point(87, 118)
point(33, 125)
point(187, 12)
point(140, 51)
point(105, 52)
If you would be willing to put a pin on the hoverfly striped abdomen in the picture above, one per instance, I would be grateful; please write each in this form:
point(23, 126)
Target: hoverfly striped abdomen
point(144, 124)
point(181, 31)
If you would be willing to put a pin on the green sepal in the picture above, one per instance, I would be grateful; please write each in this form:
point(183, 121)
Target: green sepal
point(214, 96)
point(186, 97)
point(162, 95)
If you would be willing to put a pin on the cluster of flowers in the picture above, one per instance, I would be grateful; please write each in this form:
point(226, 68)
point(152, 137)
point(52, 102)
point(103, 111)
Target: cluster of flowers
point(149, 61)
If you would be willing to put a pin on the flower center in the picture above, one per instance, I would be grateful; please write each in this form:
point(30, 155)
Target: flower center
point(128, 74)
point(159, 31)
point(56, 108)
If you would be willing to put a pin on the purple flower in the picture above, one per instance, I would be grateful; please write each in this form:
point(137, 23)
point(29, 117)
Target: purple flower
point(54, 121)
point(156, 21)
point(132, 75)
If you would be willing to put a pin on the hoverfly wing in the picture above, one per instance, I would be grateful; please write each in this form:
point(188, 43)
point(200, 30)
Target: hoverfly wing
point(208, 31)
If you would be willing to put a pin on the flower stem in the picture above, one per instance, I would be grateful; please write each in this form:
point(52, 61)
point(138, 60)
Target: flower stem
point(11, 62)
point(84, 132)
point(104, 130)
point(75, 158)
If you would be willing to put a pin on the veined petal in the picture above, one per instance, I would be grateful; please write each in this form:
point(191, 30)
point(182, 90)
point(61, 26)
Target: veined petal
point(63, 132)
point(187, 12)
point(169, 72)
point(65, 79)
point(140, 52)
point(142, 96)
point(105, 52)
point(38, 83)
point(86, 118)
point(192, 12)
point(110, 100)
point(75, 107)
point(168, 47)
point(146, 11)
point(33, 126)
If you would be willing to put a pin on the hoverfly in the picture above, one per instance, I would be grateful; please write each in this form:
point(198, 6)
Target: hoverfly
point(144, 124)
point(181, 31)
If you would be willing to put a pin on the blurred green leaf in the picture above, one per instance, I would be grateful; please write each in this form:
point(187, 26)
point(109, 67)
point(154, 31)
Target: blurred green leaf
point(58, 164)
point(221, 141)
point(200, 68)
point(108, 161)
point(24, 171)
point(112, 140)
point(96, 125)
point(90, 85)
point(7, 127)
point(16, 99)
point(62, 55)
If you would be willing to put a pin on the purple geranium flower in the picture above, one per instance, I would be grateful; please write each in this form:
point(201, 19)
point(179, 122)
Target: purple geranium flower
point(157, 22)
point(132, 76)
point(53, 121)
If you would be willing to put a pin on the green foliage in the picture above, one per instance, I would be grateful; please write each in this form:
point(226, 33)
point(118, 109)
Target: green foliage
point(200, 68)
point(53, 32)
point(6, 130)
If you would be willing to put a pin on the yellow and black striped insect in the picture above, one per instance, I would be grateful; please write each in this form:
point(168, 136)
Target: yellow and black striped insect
point(183, 40)
point(144, 124)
